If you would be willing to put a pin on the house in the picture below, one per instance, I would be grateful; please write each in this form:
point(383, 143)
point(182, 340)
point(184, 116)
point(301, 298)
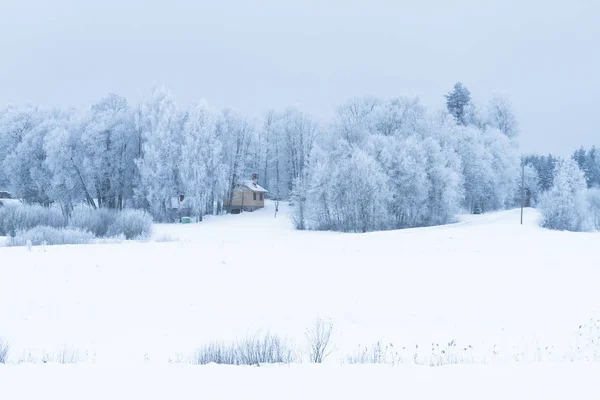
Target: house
point(6, 199)
point(247, 196)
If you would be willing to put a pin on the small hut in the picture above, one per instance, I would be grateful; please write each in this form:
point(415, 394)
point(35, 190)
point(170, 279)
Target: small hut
point(247, 196)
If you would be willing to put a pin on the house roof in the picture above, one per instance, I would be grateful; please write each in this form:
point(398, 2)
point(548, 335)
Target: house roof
point(10, 202)
point(253, 186)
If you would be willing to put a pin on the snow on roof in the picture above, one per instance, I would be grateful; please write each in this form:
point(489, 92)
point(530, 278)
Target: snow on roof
point(253, 186)
point(10, 202)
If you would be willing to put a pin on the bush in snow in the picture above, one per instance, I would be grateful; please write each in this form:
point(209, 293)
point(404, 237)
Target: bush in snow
point(269, 349)
point(64, 356)
point(375, 354)
point(255, 350)
point(218, 353)
point(96, 221)
point(566, 206)
point(133, 224)
point(25, 217)
point(44, 235)
point(4, 348)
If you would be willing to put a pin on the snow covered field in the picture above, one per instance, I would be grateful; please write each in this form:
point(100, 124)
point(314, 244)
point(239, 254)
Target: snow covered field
point(182, 382)
point(501, 291)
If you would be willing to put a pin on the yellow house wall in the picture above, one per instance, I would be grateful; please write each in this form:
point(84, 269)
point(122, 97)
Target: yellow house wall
point(248, 199)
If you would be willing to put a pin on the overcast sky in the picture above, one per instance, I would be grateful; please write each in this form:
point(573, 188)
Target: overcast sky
point(314, 54)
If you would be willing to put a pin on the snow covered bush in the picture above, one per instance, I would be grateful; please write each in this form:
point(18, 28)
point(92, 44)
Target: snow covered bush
point(253, 350)
point(133, 224)
point(566, 206)
point(44, 235)
point(4, 348)
point(26, 217)
point(96, 221)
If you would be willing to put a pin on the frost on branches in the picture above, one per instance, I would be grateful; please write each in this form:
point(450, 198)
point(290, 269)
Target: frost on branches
point(379, 164)
point(393, 164)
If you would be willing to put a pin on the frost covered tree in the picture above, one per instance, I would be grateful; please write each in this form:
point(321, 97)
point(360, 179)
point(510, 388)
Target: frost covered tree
point(202, 173)
point(414, 170)
point(15, 124)
point(288, 138)
point(236, 134)
point(24, 165)
point(530, 183)
point(501, 116)
point(566, 205)
point(405, 161)
point(65, 158)
point(457, 102)
point(110, 151)
point(159, 164)
point(545, 167)
point(355, 196)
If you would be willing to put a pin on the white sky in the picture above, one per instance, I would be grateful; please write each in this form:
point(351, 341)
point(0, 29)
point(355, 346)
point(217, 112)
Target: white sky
point(255, 55)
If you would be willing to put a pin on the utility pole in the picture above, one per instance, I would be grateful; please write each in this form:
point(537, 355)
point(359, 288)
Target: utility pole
point(522, 189)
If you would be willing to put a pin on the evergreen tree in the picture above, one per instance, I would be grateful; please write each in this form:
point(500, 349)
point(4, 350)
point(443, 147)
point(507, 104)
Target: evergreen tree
point(457, 101)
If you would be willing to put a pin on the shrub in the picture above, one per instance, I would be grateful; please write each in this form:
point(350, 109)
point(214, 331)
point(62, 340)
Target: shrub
point(4, 348)
point(218, 353)
point(318, 338)
point(65, 355)
point(133, 224)
point(269, 349)
point(375, 354)
point(44, 235)
point(96, 221)
point(24, 217)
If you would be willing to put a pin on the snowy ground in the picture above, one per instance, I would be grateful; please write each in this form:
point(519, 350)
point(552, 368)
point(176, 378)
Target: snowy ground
point(502, 291)
point(182, 382)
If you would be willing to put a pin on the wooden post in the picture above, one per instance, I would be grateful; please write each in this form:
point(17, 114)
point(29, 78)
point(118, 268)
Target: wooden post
point(522, 189)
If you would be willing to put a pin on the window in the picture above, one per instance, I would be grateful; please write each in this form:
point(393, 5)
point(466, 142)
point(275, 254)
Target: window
point(262, 196)
point(254, 196)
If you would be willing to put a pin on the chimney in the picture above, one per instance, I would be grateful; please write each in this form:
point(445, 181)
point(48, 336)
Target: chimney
point(254, 179)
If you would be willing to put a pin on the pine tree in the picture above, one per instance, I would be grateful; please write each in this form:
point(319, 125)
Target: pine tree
point(457, 102)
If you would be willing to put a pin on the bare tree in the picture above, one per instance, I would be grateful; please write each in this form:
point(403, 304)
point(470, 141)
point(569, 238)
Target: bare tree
point(318, 338)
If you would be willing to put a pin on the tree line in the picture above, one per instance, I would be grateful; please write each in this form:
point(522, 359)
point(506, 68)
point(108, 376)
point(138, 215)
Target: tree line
point(378, 164)
point(567, 191)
